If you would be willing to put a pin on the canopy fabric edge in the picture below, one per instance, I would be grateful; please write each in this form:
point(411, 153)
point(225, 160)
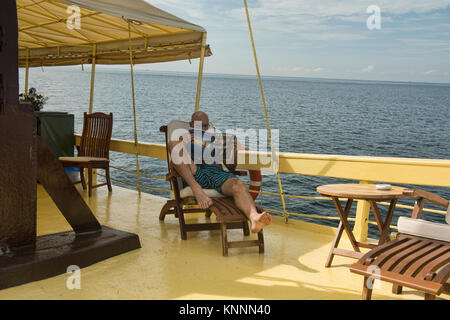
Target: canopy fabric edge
point(118, 57)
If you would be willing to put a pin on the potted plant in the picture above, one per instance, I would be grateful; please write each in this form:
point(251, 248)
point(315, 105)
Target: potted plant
point(36, 100)
point(55, 128)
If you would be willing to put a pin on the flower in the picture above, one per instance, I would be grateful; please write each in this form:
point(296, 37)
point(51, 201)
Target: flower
point(36, 100)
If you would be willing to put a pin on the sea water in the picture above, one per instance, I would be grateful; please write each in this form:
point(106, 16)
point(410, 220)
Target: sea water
point(321, 116)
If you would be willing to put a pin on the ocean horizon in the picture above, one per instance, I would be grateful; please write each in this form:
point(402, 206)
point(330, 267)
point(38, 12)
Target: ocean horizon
point(126, 69)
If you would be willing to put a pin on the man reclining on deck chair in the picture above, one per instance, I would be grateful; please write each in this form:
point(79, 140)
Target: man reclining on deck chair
point(212, 176)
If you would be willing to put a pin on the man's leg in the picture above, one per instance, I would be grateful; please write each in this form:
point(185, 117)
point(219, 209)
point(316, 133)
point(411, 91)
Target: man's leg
point(237, 189)
point(187, 169)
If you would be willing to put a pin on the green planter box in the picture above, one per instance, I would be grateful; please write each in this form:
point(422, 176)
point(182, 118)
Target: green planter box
point(57, 128)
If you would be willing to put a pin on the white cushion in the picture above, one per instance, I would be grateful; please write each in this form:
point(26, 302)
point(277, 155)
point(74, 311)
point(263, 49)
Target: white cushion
point(425, 229)
point(187, 192)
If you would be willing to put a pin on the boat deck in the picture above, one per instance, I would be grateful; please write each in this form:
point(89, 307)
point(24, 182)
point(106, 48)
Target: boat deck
point(167, 267)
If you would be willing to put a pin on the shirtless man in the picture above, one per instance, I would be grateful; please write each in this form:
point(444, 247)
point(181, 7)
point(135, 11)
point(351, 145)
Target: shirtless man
point(214, 177)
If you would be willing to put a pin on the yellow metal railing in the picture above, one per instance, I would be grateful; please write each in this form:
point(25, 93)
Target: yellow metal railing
point(432, 172)
point(427, 172)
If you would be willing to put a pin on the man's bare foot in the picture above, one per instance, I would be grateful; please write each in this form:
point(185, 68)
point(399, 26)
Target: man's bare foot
point(259, 221)
point(202, 199)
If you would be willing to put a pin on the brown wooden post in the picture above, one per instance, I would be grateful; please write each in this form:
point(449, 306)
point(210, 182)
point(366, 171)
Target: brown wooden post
point(24, 158)
point(18, 163)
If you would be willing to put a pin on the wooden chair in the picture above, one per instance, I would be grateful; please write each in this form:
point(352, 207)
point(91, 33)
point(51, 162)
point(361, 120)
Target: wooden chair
point(418, 258)
point(228, 216)
point(93, 152)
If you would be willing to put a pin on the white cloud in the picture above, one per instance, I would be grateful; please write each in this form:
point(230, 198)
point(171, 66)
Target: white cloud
point(312, 32)
point(368, 68)
point(325, 19)
point(319, 19)
point(327, 8)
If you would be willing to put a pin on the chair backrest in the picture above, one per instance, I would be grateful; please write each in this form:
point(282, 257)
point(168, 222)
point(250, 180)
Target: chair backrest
point(96, 136)
point(168, 130)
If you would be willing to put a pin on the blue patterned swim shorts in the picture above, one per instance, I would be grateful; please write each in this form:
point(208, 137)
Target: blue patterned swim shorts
point(211, 177)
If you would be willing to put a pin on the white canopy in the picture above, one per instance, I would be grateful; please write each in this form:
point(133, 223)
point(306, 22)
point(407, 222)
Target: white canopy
point(49, 34)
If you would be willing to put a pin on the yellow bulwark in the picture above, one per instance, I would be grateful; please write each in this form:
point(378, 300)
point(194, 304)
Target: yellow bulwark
point(427, 172)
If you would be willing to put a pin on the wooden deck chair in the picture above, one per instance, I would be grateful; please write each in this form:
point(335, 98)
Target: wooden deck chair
point(93, 152)
point(419, 258)
point(228, 216)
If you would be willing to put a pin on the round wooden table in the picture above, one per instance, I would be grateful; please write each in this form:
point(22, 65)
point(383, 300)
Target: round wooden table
point(367, 192)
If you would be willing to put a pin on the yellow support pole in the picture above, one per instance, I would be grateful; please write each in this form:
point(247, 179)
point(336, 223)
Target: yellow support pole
point(27, 68)
point(361, 227)
point(91, 97)
point(138, 174)
point(280, 187)
point(200, 71)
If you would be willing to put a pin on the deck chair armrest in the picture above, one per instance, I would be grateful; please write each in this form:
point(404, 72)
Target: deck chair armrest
point(171, 175)
point(423, 196)
point(434, 198)
point(232, 168)
point(443, 274)
point(239, 173)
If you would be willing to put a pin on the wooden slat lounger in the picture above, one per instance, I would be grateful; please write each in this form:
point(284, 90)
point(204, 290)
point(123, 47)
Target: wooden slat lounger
point(412, 261)
point(408, 261)
point(228, 216)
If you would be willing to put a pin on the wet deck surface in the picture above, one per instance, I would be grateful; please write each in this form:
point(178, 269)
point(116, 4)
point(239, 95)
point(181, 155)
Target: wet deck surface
point(167, 267)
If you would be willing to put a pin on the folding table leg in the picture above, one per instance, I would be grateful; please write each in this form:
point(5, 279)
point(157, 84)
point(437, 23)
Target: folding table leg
point(334, 245)
point(343, 214)
point(383, 226)
point(384, 237)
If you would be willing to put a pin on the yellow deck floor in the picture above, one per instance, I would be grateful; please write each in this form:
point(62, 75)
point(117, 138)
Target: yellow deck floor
point(167, 267)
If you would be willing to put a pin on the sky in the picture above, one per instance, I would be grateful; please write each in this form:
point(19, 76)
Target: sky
point(408, 41)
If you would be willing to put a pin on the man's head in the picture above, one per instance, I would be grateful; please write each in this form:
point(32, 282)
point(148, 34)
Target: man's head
point(200, 117)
